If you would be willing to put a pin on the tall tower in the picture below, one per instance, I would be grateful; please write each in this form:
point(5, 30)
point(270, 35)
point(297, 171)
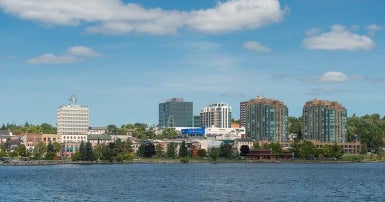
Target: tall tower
point(216, 115)
point(242, 114)
point(324, 121)
point(175, 112)
point(266, 120)
point(73, 121)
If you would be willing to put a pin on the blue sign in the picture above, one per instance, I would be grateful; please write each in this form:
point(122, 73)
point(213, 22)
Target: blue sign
point(193, 131)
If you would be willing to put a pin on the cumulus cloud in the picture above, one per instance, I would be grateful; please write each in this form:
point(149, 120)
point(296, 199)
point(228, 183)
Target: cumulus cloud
point(256, 46)
point(338, 77)
point(73, 55)
point(115, 17)
point(339, 38)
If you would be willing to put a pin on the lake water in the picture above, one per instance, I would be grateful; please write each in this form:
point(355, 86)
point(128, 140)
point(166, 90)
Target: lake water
point(195, 182)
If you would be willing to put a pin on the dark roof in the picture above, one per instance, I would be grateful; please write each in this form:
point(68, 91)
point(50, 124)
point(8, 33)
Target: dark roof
point(99, 137)
point(5, 132)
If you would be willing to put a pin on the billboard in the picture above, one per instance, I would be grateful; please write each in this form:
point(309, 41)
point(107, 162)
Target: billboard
point(193, 131)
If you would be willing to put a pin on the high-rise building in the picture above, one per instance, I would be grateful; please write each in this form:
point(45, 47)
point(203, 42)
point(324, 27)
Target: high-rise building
point(216, 115)
point(266, 120)
point(197, 121)
point(175, 112)
point(73, 121)
point(324, 121)
point(242, 114)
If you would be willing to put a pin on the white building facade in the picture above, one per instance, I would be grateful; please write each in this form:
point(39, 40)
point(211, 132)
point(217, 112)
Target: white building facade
point(216, 115)
point(72, 124)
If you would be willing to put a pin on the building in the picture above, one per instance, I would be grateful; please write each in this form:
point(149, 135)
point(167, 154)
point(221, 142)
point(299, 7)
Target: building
point(175, 112)
point(196, 121)
point(216, 115)
point(324, 121)
point(30, 140)
point(72, 124)
point(242, 114)
point(266, 120)
point(97, 130)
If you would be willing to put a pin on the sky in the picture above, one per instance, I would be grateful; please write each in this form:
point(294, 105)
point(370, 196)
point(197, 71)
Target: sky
point(122, 58)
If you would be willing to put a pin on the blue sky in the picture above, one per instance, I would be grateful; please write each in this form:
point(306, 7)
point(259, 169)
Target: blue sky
point(122, 58)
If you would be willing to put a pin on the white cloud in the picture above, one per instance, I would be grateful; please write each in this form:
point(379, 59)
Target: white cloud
point(327, 91)
point(338, 39)
point(373, 28)
point(72, 55)
point(236, 15)
point(256, 46)
point(82, 51)
point(333, 77)
point(115, 17)
point(338, 77)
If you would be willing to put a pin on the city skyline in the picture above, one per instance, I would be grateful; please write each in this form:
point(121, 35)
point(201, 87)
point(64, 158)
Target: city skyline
point(123, 58)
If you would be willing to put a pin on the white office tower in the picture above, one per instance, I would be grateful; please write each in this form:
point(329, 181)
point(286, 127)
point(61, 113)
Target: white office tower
point(216, 115)
point(73, 122)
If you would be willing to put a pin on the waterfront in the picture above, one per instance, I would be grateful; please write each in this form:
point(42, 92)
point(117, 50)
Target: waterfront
point(195, 182)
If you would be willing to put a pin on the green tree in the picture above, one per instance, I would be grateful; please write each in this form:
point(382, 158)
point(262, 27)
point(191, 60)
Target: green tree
point(22, 150)
point(40, 150)
point(308, 150)
point(171, 150)
point(183, 152)
point(214, 153)
point(51, 153)
point(245, 150)
point(89, 156)
point(159, 151)
point(169, 133)
point(3, 150)
point(226, 151)
point(256, 145)
point(82, 152)
point(276, 147)
point(202, 153)
point(295, 126)
point(336, 151)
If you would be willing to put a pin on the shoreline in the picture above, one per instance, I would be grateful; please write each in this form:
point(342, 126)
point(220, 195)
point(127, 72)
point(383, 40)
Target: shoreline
point(171, 161)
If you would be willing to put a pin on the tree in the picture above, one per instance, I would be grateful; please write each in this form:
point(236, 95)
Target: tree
point(308, 150)
point(276, 147)
point(202, 153)
point(40, 150)
point(171, 150)
point(183, 152)
point(89, 156)
point(256, 145)
point(22, 150)
point(295, 126)
point(159, 151)
point(214, 153)
point(169, 133)
point(82, 151)
point(149, 150)
point(245, 150)
point(226, 151)
point(3, 152)
point(336, 151)
point(51, 153)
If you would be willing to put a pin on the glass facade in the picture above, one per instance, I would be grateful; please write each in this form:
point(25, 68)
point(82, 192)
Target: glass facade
point(324, 121)
point(175, 113)
point(266, 120)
